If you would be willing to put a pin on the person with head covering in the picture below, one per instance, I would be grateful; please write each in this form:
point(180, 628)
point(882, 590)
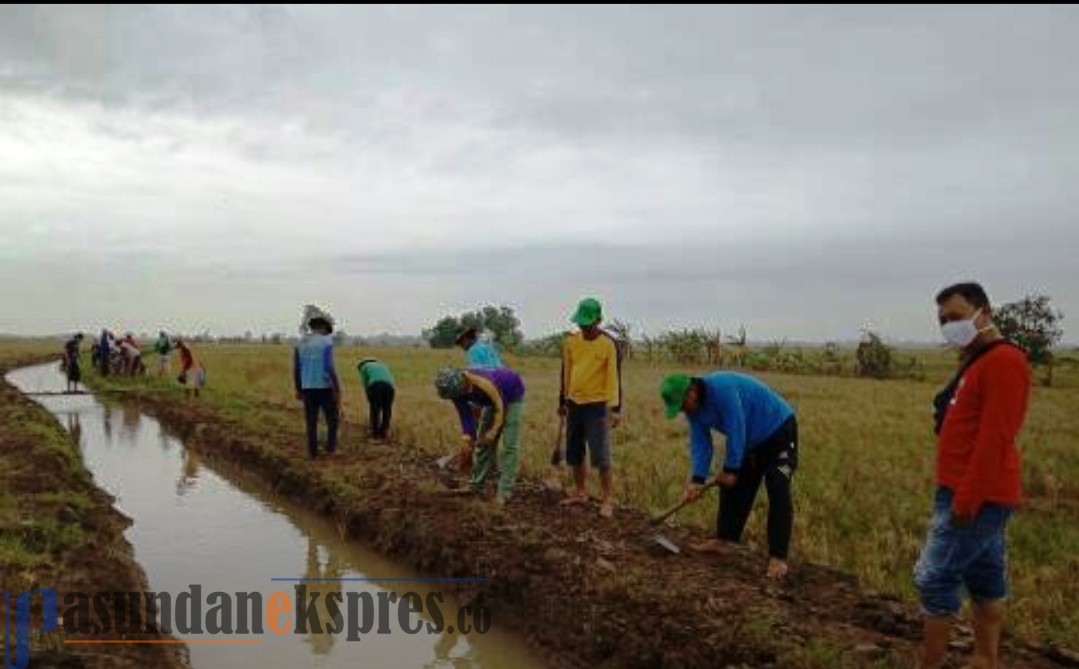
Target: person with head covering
point(502, 392)
point(377, 382)
point(479, 354)
point(104, 351)
point(71, 362)
point(590, 400)
point(315, 378)
point(762, 447)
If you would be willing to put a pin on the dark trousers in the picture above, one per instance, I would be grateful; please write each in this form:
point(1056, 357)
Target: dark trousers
point(380, 402)
point(316, 400)
point(773, 461)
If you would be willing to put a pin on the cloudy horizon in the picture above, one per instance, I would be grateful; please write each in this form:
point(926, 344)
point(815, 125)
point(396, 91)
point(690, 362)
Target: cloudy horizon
point(801, 171)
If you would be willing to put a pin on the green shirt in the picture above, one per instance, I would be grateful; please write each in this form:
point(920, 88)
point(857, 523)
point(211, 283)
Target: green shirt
point(163, 347)
point(373, 372)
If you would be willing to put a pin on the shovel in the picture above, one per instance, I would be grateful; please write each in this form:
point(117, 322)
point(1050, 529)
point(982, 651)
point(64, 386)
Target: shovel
point(554, 481)
point(663, 541)
point(445, 461)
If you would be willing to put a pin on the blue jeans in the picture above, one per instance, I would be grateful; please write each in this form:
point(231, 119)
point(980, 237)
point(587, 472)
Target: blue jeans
point(974, 556)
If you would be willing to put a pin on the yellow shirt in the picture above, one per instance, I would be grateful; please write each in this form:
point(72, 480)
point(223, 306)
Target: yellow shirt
point(590, 370)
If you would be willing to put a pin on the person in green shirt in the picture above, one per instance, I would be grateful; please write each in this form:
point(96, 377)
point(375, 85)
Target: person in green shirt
point(163, 349)
point(377, 382)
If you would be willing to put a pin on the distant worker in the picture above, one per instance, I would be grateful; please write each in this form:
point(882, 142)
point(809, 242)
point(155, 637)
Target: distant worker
point(762, 444)
point(315, 379)
point(192, 373)
point(71, 365)
point(104, 352)
point(978, 417)
point(479, 354)
point(163, 349)
point(500, 392)
point(377, 382)
point(132, 355)
point(590, 400)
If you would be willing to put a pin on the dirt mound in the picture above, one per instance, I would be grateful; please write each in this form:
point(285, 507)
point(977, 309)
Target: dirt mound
point(63, 533)
point(584, 591)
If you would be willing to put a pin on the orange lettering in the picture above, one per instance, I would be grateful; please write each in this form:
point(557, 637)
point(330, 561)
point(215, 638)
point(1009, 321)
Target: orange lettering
point(278, 603)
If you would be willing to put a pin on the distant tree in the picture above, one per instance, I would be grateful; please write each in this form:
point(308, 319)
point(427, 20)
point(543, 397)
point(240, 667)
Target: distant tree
point(623, 332)
point(501, 321)
point(549, 346)
point(1032, 324)
point(443, 333)
point(685, 346)
point(874, 356)
point(739, 345)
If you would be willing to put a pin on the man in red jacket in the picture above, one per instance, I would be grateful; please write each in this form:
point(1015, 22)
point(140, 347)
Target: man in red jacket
point(979, 415)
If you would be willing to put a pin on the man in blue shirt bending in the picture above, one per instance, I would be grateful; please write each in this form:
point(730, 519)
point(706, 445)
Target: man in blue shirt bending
point(762, 445)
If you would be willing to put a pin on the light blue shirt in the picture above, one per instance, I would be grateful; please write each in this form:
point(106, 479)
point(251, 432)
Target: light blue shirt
point(313, 367)
point(482, 355)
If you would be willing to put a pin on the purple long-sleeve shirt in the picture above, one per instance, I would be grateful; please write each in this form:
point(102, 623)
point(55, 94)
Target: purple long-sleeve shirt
point(495, 388)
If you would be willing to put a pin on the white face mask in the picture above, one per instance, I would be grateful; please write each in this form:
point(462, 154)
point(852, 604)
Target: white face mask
point(961, 333)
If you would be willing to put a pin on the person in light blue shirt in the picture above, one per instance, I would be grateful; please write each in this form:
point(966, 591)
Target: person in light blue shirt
point(478, 354)
point(762, 442)
point(315, 379)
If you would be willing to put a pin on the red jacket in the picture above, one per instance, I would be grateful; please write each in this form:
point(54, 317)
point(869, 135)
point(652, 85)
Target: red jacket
point(976, 453)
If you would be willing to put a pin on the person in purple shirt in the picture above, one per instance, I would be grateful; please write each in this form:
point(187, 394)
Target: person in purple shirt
point(501, 393)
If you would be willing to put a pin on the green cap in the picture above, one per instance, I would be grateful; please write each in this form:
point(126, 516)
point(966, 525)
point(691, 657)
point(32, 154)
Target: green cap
point(673, 391)
point(589, 312)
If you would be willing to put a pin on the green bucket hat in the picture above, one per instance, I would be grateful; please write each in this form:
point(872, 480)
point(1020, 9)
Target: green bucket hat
point(673, 391)
point(449, 383)
point(589, 312)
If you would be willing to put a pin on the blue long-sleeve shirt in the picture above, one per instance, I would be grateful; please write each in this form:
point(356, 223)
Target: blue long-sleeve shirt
point(482, 355)
point(312, 363)
point(744, 409)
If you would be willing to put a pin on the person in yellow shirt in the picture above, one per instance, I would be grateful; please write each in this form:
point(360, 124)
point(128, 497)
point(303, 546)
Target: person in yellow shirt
point(590, 400)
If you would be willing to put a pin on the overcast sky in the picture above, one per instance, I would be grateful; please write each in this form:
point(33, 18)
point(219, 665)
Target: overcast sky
point(801, 170)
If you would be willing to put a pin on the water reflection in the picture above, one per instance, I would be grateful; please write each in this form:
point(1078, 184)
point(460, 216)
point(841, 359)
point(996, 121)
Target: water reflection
point(329, 574)
point(106, 424)
point(74, 426)
point(189, 471)
point(132, 422)
point(231, 532)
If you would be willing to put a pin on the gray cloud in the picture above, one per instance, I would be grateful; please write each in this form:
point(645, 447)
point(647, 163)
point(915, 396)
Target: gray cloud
point(799, 168)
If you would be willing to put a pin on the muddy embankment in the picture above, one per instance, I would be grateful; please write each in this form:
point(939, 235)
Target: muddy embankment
point(584, 592)
point(59, 531)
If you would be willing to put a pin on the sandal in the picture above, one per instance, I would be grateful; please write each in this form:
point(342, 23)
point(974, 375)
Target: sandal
point(606, 510)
